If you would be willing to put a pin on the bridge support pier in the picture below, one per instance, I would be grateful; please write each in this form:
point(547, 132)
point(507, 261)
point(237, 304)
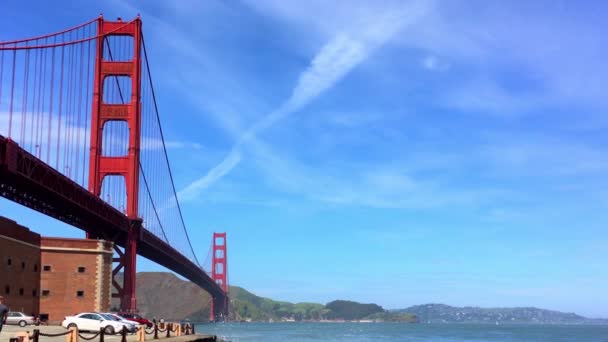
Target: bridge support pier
point(219, 309)
point(128, 301)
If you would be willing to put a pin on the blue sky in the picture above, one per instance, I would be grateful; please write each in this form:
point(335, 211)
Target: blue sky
point(397, 152)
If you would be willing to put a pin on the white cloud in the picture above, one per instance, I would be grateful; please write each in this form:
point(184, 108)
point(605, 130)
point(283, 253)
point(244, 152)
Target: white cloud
point(536, 43)
point(193, 189)
point(80, 134)
point(433, 63)
point(334, 60)
point(157, 144)
point(516, 155)
point(352, 119)
point(486, 96)
point(349, 33)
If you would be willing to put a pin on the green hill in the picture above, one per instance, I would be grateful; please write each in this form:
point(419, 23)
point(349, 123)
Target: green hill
point(246, 305)
point(164, 295)
point(348, 310)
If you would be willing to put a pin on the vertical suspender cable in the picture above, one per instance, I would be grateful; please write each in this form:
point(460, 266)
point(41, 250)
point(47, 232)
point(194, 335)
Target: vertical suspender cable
point(25, 94)
point(86, 124)
point(68, 100)
point(1, 74)
point(37, 92)
point(60, 107)
point(10, 116)
point(39, 118)
point(86, 108)
point(36, 107)
point(72, 128)
point(36, 96)
point(50, 122)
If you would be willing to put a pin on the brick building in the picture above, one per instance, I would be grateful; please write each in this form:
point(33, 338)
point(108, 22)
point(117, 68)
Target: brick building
point(75, 277)
point(53, 277)
point(20, 268)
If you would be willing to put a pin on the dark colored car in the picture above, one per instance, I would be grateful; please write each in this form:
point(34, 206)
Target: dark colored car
point(135, 318)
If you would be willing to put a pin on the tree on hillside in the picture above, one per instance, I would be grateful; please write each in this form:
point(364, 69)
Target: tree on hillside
point(348, 310)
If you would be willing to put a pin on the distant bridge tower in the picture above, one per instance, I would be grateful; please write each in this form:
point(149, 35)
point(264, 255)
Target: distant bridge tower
point(219, 274)
point(127, 166)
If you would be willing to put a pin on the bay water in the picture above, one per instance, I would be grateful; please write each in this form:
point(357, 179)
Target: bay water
point(389, 332)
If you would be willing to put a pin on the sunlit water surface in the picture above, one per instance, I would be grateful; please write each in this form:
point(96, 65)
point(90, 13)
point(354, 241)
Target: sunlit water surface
point(357, 332)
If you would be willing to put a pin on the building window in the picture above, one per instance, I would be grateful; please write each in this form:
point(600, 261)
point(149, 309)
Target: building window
point(80, 293)
point(34, 293)
point(81, 269)
point(47, 268)
point(7, 289)
point(46, 293)
point(35, 267)
point(9, 261)
point(21, 291)
point(23, 265)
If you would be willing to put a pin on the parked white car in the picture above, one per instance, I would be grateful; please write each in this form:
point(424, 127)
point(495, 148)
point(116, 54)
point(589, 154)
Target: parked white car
point(121, 319)
point(90, 321)
point(19, 318)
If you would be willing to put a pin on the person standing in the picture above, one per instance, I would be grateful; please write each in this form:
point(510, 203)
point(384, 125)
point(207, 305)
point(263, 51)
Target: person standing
point(3, 312)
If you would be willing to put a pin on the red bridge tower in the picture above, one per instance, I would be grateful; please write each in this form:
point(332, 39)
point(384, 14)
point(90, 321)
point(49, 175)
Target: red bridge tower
point(127, 166)
point(219, 274)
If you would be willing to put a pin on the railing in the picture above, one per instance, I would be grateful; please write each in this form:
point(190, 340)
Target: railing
point(158, 331)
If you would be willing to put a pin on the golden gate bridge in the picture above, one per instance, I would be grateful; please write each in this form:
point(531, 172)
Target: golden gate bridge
point(81, 141)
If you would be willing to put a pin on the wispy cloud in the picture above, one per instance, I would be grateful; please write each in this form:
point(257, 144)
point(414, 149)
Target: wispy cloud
point(433, 63)
point(536, 47)
point(152, 143)
point(351, 119)
point(489, 97)
point(337, 57)
point(48, 128)
point(193, 189)
point(542, 156)
point(347, 41)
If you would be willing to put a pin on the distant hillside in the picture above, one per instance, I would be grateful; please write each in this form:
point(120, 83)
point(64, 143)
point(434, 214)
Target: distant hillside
point(163, 295)
point(441, 313)
point(246, 305)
